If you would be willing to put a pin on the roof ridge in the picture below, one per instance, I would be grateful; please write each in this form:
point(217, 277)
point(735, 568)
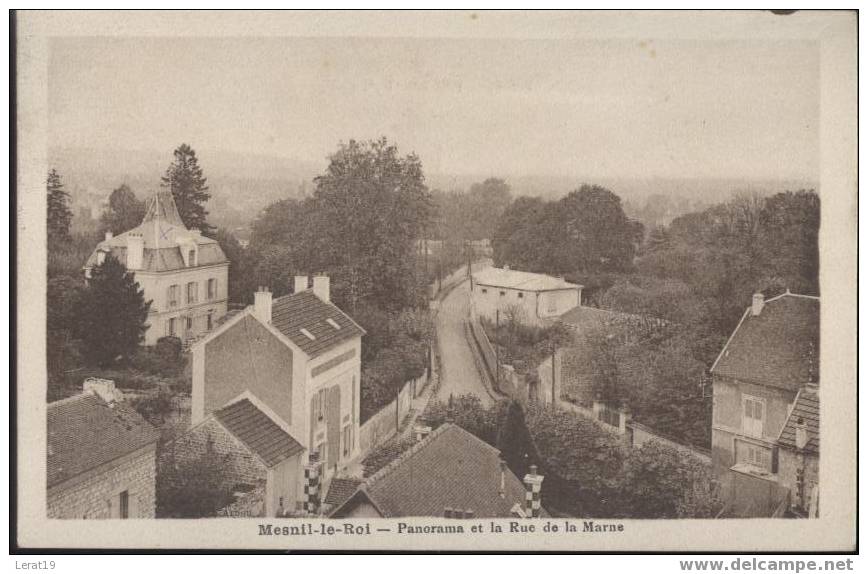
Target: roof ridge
point(406, 455)
point(73, 398)
point(791, 294)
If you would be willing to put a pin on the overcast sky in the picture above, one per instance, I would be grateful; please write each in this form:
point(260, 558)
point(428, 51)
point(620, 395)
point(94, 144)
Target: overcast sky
point(512, 107)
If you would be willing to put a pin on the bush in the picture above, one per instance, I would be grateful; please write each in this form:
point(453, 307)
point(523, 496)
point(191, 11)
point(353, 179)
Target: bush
point(154, 408)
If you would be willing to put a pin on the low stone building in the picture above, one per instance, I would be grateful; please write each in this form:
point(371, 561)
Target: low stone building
point(530, 298)
point(101, 457)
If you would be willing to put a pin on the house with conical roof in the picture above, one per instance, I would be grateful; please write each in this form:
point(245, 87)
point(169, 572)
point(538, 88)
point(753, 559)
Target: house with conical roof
point(183, 273)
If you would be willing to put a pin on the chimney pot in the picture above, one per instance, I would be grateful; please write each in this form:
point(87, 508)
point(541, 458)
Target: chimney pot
point(262, 303)
point(300, 284)
point(103, 388)
point(321, 287)
point(108, 235)
point(757, 304)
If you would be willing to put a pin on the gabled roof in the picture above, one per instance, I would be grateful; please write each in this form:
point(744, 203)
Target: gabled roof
point(779, 347)
point(450, 468)
point(163, 234)
point(341, 489)
point(292, 313)
point(85, 432)
point(258, 432)
point(806, 409)
point(511, 279)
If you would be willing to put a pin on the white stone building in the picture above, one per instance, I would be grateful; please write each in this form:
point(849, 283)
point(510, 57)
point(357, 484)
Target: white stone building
point(184, 274)
point(530, 297)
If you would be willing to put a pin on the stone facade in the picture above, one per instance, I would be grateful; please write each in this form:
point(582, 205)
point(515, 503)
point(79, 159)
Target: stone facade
point(98, 494)
point(210, 438)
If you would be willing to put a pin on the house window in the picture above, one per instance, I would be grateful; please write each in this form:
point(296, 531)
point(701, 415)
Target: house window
point(174, 295)
point(210, 320)
point(520, 295)
point(321, 449)
point(753, 412)
point(192, 292)
point(189, 324)
point(124, 504)
point(319, 400)
point(347, 440)
point(755, 455)
point(212, 288)
point(171, 327)
point(191, 258)
point(484, 291)
point(502, 293)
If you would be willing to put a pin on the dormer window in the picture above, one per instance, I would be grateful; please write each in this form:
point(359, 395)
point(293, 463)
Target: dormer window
point(191, 258)
point(307, 334)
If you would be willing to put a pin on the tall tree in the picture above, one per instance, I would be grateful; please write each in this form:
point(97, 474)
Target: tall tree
point(371, 206)
point(59, 214)
point(111, 319)
point(188, 185)
point(124, 211)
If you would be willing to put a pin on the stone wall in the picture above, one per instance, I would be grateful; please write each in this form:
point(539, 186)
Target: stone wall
point(239, 465)
point(98, 495)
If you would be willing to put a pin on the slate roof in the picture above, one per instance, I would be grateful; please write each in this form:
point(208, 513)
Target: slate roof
point(85, 432)
point(292, 313)
point(511, 279)
point(807, 409)
point(258, 432)
point(341, 489)
point(450, 468)
point(161, 231)
point(779, 347)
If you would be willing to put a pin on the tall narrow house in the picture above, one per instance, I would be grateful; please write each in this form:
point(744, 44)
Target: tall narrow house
point(184, 274)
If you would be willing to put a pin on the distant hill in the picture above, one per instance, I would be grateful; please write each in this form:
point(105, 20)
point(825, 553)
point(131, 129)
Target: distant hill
point(243, 184)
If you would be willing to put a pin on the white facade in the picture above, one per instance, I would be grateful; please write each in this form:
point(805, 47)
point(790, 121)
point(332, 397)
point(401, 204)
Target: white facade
point(529, 297)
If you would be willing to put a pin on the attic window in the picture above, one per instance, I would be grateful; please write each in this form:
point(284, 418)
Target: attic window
point(307, 334)
point(333, 323)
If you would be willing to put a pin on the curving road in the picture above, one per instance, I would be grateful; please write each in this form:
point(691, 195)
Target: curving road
point(458, 374)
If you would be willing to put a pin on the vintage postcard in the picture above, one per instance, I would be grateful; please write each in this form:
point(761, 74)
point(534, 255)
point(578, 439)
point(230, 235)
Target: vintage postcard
point(526, 281)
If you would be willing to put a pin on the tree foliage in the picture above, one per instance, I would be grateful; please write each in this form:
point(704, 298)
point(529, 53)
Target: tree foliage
point(189, 187)
point(584, 232)
point(192, 487)
point(124, 211)
point(112, 313)
point(241, 266)
point(59, 214)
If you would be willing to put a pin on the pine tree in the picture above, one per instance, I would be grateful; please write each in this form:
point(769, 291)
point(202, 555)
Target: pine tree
point(113, 313)
point(59, 214)
point(125, 211)
point(184, 178)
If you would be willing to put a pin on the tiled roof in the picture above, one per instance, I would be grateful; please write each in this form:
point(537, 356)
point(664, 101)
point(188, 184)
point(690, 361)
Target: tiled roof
point(292, 313)
point(511, 279)
point(807, 410)
point(341, 489)
point(162, 233)
point(85, 432)
point(450, 468)
point(779, 347)
point(258, 432)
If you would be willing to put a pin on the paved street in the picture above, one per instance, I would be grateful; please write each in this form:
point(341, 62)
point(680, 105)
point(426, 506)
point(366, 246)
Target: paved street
point(459, 375)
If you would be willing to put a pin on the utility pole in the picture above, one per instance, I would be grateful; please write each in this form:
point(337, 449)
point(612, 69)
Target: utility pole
point(554, 350)
point(497, 347)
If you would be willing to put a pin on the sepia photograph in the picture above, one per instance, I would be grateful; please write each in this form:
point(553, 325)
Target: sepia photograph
point(445, 280)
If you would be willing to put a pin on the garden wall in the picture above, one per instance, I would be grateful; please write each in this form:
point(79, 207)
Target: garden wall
point(387, 421)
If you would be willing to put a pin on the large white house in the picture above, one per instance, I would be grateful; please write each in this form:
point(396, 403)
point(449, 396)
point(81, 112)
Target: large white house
point(530, 297)
point(184, 274)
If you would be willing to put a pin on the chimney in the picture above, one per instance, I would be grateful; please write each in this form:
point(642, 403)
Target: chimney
point(756, 306)
point(502, 490)
point(135, 251)
point(421, 432)
point(103, 388)
point(108, 235)
point(312, 472)
point(801, 434)
point(321, 287)
point(262, 305)
point(300, 284)
point(533, 486)
point(100, 256)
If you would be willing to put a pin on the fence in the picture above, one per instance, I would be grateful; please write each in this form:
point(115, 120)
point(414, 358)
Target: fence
point(501, 379)
point(387, 421)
